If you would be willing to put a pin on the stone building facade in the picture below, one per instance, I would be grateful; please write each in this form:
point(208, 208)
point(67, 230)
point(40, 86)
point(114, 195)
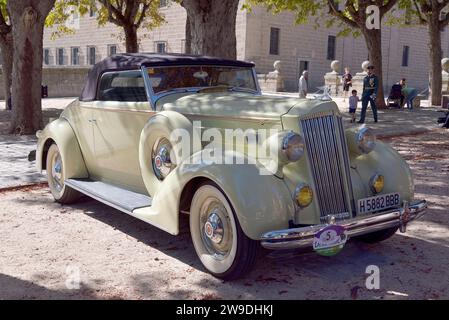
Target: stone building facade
point(262, 38)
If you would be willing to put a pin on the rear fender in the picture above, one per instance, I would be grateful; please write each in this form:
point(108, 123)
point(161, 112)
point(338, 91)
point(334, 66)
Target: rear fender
point(60, 132)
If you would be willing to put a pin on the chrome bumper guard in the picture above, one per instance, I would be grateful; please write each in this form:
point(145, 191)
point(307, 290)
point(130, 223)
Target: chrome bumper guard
point(303, 237)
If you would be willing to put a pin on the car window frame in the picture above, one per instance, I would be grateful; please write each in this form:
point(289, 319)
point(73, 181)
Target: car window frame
point(153, 97)
point(106, 72)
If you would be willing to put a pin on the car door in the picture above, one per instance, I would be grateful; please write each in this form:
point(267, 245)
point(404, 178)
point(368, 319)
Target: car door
point(82, 124)
point(119, 115)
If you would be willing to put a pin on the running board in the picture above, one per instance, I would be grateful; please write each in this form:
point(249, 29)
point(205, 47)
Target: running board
point(116, 197)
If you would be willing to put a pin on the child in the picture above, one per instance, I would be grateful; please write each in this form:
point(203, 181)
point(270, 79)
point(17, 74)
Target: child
point(353, 101)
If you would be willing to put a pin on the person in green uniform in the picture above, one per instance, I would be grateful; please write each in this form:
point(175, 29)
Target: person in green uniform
point(370, 86)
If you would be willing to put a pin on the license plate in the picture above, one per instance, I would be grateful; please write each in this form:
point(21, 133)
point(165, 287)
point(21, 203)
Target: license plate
point(378, 203)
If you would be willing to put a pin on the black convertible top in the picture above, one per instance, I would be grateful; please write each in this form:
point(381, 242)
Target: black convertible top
point(134, 61)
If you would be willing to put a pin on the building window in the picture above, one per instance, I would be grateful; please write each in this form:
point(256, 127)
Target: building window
point(46, 57)
point(331, 46)
point(163, 3)
point(60, 55)
point(92, 55)
point(274, 41)
point(161, 47)
point(112, 49)
point(405, 54)
point(303, 66)
point(75, 56)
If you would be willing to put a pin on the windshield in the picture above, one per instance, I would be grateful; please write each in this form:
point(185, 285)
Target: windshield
point(163, 79)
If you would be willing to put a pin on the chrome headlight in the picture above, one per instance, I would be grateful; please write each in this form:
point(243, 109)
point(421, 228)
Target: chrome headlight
point(293, 146)
point(366, 140)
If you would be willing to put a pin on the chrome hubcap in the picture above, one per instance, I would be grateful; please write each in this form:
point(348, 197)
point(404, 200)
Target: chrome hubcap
point(213, 228)
point(56, 172)
point(216, 228)
point(162, 162)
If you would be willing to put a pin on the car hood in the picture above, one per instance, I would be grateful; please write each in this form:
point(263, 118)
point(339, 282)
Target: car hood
point(242, 105)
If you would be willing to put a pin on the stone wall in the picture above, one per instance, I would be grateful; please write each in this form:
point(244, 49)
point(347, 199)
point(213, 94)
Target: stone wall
point(61, 81)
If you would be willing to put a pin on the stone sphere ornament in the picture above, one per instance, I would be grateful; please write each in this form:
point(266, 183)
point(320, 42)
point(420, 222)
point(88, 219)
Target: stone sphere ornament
point(445, 64)
point(335, 66)
point(277, 65)
point(365, 65)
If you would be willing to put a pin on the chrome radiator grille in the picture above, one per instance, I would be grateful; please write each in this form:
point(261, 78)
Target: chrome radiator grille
point(329, 164)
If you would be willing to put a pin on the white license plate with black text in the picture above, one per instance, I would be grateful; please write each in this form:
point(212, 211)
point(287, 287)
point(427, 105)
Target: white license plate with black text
point(378, 203)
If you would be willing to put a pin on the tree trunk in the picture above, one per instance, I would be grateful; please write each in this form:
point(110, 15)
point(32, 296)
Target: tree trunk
point(27, 19)
point(6, 46)
point(188, 43)
point(435, 53)
point(212, 27)
point(373, 39)
point(132, 45)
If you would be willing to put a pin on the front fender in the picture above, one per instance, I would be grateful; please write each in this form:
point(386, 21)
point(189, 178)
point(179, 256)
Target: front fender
point(388, 162)
point(261, 202)
point(60, 132)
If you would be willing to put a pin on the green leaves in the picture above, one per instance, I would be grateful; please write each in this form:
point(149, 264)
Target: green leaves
point(138, 13)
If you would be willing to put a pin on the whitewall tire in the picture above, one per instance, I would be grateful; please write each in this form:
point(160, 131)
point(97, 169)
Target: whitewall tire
point(223, 248)
point(55, 177)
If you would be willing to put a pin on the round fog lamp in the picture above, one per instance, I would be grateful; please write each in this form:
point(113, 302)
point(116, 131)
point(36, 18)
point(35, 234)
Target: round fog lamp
point(303, 195)
point(377, 183)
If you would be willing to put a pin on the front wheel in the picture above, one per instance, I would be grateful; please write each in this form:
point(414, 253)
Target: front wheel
point(224, 250)
point(56, 178)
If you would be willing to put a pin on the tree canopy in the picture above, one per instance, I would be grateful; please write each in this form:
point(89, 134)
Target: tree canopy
point(130, 15)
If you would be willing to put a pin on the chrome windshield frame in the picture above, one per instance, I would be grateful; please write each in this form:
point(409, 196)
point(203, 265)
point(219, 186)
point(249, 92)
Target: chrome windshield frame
point(153, 97)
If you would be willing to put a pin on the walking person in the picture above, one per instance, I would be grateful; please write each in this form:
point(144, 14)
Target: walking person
point(303, 84)
point(347, 83)
point(370, 86)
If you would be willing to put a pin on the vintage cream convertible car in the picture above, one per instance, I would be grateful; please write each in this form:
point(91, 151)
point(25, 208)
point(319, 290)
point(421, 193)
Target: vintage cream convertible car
point(116, 144)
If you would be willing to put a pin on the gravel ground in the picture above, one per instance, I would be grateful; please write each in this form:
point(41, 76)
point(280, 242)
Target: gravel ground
point(44, 245)
point(15, 169)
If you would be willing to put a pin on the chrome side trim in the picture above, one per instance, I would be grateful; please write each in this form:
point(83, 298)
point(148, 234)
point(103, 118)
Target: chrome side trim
point(121, 110)
point(303, 237)
point(261, 121)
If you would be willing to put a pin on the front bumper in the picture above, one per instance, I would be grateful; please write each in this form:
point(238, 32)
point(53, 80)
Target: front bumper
point(303, 237)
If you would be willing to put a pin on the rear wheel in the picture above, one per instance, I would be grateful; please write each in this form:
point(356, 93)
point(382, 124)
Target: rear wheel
point(56, 177)
point(378, 236)
point(223, 248)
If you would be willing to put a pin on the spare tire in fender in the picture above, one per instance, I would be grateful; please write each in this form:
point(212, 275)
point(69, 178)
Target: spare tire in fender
point(165, 127)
